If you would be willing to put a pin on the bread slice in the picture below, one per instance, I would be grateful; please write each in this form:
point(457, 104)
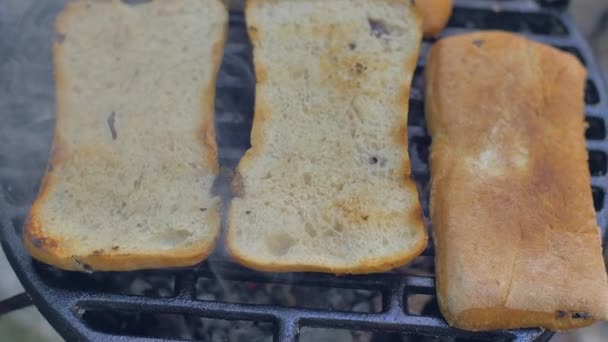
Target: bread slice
point(517, 244)
point(435, 15)
point(134, 155)
point(326, 185)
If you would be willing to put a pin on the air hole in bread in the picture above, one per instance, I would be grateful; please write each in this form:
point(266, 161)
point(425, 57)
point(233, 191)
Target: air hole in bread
point(377, 28)
point(136, 2)
point(307, 178)
point(310, 230)
point(112, 125)
point(279, 243)
point(352, 45)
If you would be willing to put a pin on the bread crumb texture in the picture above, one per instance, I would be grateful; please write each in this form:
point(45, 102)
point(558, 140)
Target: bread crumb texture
point(134, 156)
point(326, 185)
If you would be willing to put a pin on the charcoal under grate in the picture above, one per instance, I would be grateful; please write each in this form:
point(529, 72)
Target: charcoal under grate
point(219, 300)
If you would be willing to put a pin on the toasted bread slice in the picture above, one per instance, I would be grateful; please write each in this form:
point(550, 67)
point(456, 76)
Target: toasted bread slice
point(134, 155)
point(517, 244)
point(326, 185)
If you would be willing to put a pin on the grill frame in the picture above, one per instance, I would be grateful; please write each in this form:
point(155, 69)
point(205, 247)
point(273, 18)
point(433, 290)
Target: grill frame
point(63, 307)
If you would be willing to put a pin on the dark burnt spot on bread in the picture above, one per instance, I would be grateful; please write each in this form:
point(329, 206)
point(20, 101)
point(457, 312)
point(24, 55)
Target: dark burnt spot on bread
point(202, 209)
point(111, 125)
point(98, 252)
point(247, 212)
point(115, 248)
point(581, 315)
point(377, 28)
point(352, 46)
point(360, 68)
point(373, 160)
point(44, 243)
point(36, 242)
point(578, 315)
point(479, 42)
point(83, 266)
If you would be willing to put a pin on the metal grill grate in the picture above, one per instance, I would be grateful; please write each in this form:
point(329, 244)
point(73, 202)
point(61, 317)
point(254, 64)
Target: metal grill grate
point(83, 306)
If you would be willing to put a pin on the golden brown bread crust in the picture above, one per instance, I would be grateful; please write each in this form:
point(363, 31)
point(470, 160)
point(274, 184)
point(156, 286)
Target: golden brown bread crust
point(435, 15)
point(515, 230)
point(50, 251)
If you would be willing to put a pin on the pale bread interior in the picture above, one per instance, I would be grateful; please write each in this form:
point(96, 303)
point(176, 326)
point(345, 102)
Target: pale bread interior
point(326, 184)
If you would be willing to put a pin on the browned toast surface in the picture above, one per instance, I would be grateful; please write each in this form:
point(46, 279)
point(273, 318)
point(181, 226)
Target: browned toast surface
point(515, 229)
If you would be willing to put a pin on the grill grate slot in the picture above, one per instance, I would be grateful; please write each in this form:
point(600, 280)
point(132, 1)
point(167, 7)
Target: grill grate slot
point(598, 198)
point(597, 163)
point(183, 327)
point(288, 295)
point(596, 129)
point(108, 305)
point(592, 96)
point(421, 305)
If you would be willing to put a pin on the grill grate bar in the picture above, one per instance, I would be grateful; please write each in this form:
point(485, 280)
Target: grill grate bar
point(392, 320)
point(287, 330)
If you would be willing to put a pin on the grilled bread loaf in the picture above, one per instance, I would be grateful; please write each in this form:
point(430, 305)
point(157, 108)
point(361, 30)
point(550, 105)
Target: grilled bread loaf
point(134, 155)
point(435, 15)
point(326, 185)
point(517, 244)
